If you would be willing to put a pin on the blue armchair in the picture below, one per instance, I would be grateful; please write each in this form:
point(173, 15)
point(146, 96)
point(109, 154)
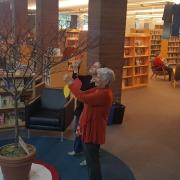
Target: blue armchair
point(50, 111)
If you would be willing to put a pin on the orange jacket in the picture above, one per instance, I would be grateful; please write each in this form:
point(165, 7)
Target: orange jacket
point(93, 119)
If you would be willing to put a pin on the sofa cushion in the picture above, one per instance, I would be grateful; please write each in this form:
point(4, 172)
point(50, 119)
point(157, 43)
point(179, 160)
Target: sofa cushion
point(46, 117)
point(52, 98)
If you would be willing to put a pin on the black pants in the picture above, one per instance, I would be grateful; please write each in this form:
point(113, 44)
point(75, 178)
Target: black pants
point(91, 152)
point(170, 71)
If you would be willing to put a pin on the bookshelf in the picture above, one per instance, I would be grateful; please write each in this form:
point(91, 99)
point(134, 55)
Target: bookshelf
point(66, 67)
point(72, 42)
point(136, 60)
point(10, 124)
point(7, 116)
point(72, 38)
point(155, 41)
point(158, 26)
point(173, 54)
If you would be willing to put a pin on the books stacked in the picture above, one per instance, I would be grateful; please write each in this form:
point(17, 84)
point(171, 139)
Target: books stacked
point(2, 119)
point(6, 101)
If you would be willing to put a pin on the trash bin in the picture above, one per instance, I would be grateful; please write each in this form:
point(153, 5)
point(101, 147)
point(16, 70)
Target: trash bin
point(116, 114)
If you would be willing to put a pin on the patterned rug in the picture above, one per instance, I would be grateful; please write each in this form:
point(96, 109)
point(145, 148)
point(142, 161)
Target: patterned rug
point(54, 152)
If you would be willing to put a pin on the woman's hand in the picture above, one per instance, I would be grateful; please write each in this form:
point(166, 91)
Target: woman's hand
point(75, 66)
point(78, 131)
point(68, 79)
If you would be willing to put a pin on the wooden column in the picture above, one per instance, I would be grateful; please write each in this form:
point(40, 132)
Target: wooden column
point(47, 22)
point(164, 48)
point(31, 21)
point(5, 18)
point(19, 18)
point(107, 20)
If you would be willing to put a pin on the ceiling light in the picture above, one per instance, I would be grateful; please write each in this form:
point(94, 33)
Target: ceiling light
point(145, 11)
point(66, 4)
point(149, 15)
point(177, 1)
point(143, 3)
point(72, 3)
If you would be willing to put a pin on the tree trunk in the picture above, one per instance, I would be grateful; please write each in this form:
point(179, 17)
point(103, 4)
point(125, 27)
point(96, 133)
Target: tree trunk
point(16, 121)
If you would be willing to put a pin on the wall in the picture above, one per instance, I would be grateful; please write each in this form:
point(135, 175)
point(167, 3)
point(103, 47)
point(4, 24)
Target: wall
point(132, 22)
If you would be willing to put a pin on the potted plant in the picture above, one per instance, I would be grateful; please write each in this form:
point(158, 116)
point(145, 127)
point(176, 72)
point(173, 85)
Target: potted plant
point(19, 60)
point(17, 64)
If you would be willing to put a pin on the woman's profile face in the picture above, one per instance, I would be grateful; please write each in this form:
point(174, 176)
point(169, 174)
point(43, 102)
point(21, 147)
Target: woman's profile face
point(99, 81)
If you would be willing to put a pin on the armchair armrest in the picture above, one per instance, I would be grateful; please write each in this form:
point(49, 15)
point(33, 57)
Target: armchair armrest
point(34, 104)
point(31, 108)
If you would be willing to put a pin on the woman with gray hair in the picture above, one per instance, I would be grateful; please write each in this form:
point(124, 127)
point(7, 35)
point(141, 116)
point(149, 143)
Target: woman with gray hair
point(93, 119)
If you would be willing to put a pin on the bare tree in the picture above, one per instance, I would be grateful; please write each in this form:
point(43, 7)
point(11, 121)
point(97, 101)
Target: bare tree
point(26, 57)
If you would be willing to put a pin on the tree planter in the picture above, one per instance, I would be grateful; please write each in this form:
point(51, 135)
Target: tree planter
point(17, 167)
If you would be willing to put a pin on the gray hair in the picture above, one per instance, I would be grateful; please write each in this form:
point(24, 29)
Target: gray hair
point(106, 74)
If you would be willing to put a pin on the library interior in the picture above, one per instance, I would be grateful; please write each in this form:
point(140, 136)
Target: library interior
point(47, 47)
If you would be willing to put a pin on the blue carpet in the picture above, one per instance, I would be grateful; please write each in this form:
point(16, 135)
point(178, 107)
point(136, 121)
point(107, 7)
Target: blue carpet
point(52, 151)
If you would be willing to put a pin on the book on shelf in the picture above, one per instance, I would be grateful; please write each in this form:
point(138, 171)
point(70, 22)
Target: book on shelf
point(140, 51)
point(137, 80)
point(125, 72)
point(127, 52)
point(72, 43)
point(126, 82)
point(1, 101)
point(137, 71)
point(28, 81)
point(155, 37)
point(9, 118)
point(127, 42)
point(19, 82)
point(140, 61)
point(2, 119)
point(142, 70)
point(139, 43)
point(128, 62)
point(7, 101)
point(72, 34)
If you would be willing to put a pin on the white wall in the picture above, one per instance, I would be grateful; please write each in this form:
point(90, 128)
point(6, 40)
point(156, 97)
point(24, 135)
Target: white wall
point(132, 22)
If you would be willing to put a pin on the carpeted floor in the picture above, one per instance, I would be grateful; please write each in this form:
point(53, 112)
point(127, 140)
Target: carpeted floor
point(52, 151)
point(148, 141)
